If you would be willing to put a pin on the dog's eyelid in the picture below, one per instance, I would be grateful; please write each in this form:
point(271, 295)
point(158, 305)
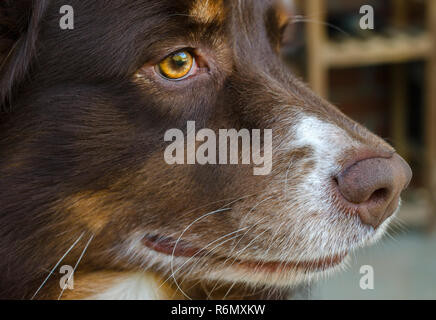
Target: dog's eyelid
point(155, 55)
point(173, 51)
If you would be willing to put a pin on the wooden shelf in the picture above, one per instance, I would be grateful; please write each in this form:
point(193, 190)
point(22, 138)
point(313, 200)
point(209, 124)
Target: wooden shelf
point(377, 50)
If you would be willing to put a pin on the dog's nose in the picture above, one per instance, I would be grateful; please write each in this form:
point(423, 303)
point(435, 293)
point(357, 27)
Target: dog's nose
point(375, 186)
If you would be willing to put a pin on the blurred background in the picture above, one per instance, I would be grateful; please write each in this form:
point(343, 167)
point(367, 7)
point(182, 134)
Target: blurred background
point(385, 78)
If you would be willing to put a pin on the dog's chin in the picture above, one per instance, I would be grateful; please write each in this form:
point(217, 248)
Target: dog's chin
point(280, 274)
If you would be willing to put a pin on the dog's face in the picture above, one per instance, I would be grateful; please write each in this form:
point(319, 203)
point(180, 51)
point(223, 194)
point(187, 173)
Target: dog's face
point(83, 150)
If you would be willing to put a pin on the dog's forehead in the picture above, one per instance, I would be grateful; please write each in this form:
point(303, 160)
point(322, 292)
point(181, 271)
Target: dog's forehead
point(204, 9)
point(216, 11)
point(247, 17)
point(208, 11)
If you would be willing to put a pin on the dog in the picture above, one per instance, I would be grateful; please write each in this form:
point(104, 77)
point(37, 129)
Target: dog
point(90, 209)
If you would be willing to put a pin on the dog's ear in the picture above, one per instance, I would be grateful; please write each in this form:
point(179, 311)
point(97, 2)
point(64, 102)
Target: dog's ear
point(19, 28)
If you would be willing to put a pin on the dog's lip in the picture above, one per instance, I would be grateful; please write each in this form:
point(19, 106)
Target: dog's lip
point(184, 249)
point(170, 246)
point(320, 264)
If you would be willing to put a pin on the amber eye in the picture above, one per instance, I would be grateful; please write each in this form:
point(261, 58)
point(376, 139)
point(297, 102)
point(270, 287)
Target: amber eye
point(177, 65)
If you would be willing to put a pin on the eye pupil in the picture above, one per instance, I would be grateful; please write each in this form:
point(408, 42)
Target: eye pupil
point(180, 59)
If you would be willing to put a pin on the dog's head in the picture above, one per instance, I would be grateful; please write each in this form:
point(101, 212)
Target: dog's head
point(82, 151)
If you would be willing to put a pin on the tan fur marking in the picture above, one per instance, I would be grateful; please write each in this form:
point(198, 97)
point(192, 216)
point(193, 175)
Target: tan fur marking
point(207, 11)
point(90, 209)
point(282, 14)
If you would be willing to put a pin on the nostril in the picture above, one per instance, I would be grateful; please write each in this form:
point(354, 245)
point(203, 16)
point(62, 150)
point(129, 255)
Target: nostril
point(379, 195)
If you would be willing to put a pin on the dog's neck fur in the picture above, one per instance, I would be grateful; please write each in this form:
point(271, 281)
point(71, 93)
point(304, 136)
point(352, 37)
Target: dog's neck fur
point(148, 286)
point(120, 286)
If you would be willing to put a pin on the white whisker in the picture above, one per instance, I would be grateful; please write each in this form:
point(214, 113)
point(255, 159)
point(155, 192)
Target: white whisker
point(57, 264)
point(77, 264)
